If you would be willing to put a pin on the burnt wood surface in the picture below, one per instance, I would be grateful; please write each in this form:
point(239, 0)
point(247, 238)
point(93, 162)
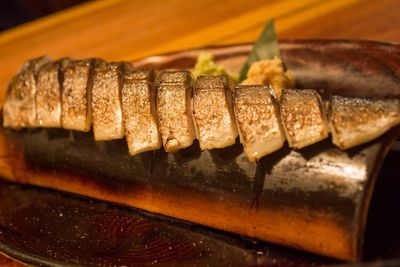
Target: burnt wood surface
point(47, 227)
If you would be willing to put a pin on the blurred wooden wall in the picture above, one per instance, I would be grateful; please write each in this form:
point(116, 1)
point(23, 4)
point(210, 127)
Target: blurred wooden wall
point(15, 12)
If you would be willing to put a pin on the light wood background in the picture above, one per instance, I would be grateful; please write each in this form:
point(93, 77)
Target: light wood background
point(131, 29)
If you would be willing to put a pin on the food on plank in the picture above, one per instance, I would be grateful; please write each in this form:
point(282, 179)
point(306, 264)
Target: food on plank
point(171, 109)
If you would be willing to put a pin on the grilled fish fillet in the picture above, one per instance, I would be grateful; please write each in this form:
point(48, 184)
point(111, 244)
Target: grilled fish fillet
point(174, 94)
point(76, 96)
point(212, 111)
point(20, 106)
point(106, 101)
point(139, 111)
point(122, 99)
point(354, 121)
point(48, 94)
point(303, 117)
point(257, 116)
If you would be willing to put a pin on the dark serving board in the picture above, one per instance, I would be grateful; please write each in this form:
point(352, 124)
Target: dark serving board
point(49, 228)
point(41, 226)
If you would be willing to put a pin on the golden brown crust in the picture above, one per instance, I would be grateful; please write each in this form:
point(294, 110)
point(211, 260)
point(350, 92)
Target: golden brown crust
point(106, 101)
point(19, 110)
point(34, 95)
point(303, 117)
point(258, 120)
point(76, 111)
point(48, 94)
point(139, 111)
point(174, 112)
point(355, 121)
point(212, 110)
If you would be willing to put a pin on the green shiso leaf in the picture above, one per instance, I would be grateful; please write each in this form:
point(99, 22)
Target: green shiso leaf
point(266, 47)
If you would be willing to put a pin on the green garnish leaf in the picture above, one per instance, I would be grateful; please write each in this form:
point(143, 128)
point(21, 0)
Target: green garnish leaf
point(266, 47)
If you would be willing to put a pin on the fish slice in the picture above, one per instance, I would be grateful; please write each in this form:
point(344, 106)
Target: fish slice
point(174, 112)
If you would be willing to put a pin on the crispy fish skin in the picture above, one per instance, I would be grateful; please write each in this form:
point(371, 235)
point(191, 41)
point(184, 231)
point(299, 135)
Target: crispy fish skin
point(303, 117)
point(76, 96)
point(139, 111)
point(106, 101)
point(174, 93)
point(355, 121)
point(48, 94)
point(212, 111)
point(258, 120)
point(91, 91)
point(19, 110)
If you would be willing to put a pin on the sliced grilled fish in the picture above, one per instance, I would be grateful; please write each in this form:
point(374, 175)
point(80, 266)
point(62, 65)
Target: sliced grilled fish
point(175, 120)
point(76, 96)
point(303, 117)
point(48, 94)
point(354, 121)
point(106, 101)
point(212, 110)
point(139, 111)
point(258, 120)
point(116, 98)
point(20, 106)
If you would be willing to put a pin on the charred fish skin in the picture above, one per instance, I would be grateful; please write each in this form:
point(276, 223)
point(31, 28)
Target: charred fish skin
point(355, 121)
point(139, 110)
point(76, 95)
point(303, 117)
point(174, 94)
point(212, 111)
point(19, 110)
point(48, 94)
point(106, 101)
point(258, 120)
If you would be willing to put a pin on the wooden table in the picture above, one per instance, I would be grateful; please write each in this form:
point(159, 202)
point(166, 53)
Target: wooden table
point(126, 30)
